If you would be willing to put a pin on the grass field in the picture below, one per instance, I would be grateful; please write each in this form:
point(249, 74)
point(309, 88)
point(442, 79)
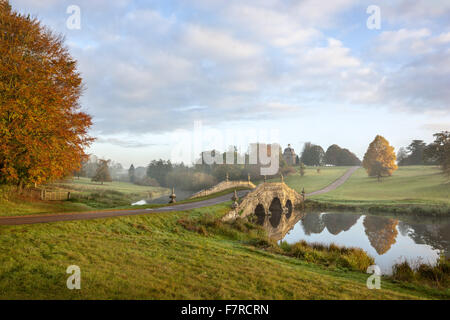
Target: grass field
point(86, 186)
point(85, 196)
point(155, 257)
point(409, 185)
point(312, 180)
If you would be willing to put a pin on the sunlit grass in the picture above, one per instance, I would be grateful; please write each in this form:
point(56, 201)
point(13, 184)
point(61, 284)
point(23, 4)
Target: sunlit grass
point(313, 180)
point(410, 184)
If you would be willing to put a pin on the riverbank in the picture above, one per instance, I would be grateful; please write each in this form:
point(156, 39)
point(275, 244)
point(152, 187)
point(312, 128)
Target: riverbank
point(412, 190)
point(399, 208)
point(156, 257)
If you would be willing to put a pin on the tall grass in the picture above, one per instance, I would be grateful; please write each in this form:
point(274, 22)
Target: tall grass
point(436, 275)
point(332, 255)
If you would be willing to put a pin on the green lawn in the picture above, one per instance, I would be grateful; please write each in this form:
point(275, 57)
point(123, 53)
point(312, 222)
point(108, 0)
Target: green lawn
point(312, 180)
point(155, 257)
point(86, 186)
point(409, 185)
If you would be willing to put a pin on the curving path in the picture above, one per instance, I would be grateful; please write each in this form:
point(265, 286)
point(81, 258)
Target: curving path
point(336, 183)
point(33, 219)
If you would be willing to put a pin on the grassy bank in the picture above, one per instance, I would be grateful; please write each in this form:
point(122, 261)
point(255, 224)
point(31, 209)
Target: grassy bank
point(157, 256)
point(420, 190)
point(85, 196)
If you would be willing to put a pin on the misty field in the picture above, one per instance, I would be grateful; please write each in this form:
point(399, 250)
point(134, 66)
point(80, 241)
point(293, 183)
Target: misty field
point(85, 196)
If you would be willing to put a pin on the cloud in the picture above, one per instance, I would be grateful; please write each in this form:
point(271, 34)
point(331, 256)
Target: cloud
point(216, 44)
point(124, 143)
point(156, 67)
point(404, 41)
point(436, 127)
point(415, 64)
point(418, 12)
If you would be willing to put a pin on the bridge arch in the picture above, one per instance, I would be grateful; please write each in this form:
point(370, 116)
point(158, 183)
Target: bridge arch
point(289, 208)
point(276, 210)
point(260, 214)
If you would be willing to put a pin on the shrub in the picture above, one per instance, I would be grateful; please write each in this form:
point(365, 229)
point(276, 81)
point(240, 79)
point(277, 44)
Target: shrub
point(287, 171)
point(437, 275)
point(329, 255)
point(402, 271)
point(147, 181)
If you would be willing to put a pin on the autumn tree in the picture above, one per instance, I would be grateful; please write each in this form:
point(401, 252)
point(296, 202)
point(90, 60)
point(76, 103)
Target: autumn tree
point(379, 159)
point(43, 133)
point(439, 151)
point(102, 174)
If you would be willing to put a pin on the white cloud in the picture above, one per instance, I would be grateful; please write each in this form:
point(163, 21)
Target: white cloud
point(212, 44)
point(404, 41)
point(146, 67)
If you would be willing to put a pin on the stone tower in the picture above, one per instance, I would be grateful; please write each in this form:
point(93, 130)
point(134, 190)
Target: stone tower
point(289, 155)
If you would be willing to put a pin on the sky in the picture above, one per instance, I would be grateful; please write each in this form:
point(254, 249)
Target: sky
point(164, 76)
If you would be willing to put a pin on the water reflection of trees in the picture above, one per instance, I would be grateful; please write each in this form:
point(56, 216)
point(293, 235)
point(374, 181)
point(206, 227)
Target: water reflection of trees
point(337, 222)
point(334, 222)
point(312, 223)
point(381, 232)
point(437, 235)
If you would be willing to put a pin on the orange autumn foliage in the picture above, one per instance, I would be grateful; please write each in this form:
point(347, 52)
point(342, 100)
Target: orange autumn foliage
point(43, 133)
point(379, 159)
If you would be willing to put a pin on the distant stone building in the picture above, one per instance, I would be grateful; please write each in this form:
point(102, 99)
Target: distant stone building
point(289, 155)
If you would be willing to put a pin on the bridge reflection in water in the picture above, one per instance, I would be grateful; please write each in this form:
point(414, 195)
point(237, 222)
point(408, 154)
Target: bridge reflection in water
point(387, 239)
point(278, 224)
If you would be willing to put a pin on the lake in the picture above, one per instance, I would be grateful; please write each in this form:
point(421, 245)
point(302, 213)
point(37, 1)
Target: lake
point(181, 195)
point(387, 238)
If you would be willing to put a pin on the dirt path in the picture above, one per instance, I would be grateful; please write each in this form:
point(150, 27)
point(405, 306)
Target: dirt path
point(33, 219)
point(336, 183)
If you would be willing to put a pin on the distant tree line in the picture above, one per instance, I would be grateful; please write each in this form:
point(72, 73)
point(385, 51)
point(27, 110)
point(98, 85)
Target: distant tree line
point(438, 152)
point(314, 155)
point(101, 170)
point(379, 161)
point(419, 153)
point(203, 175)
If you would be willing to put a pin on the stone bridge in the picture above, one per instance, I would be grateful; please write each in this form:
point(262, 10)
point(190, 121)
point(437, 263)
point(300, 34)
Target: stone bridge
point(273, 199)
point(224, 185)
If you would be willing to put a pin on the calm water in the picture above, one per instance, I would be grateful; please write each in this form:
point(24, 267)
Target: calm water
point(181, 195)
point(388, 239)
